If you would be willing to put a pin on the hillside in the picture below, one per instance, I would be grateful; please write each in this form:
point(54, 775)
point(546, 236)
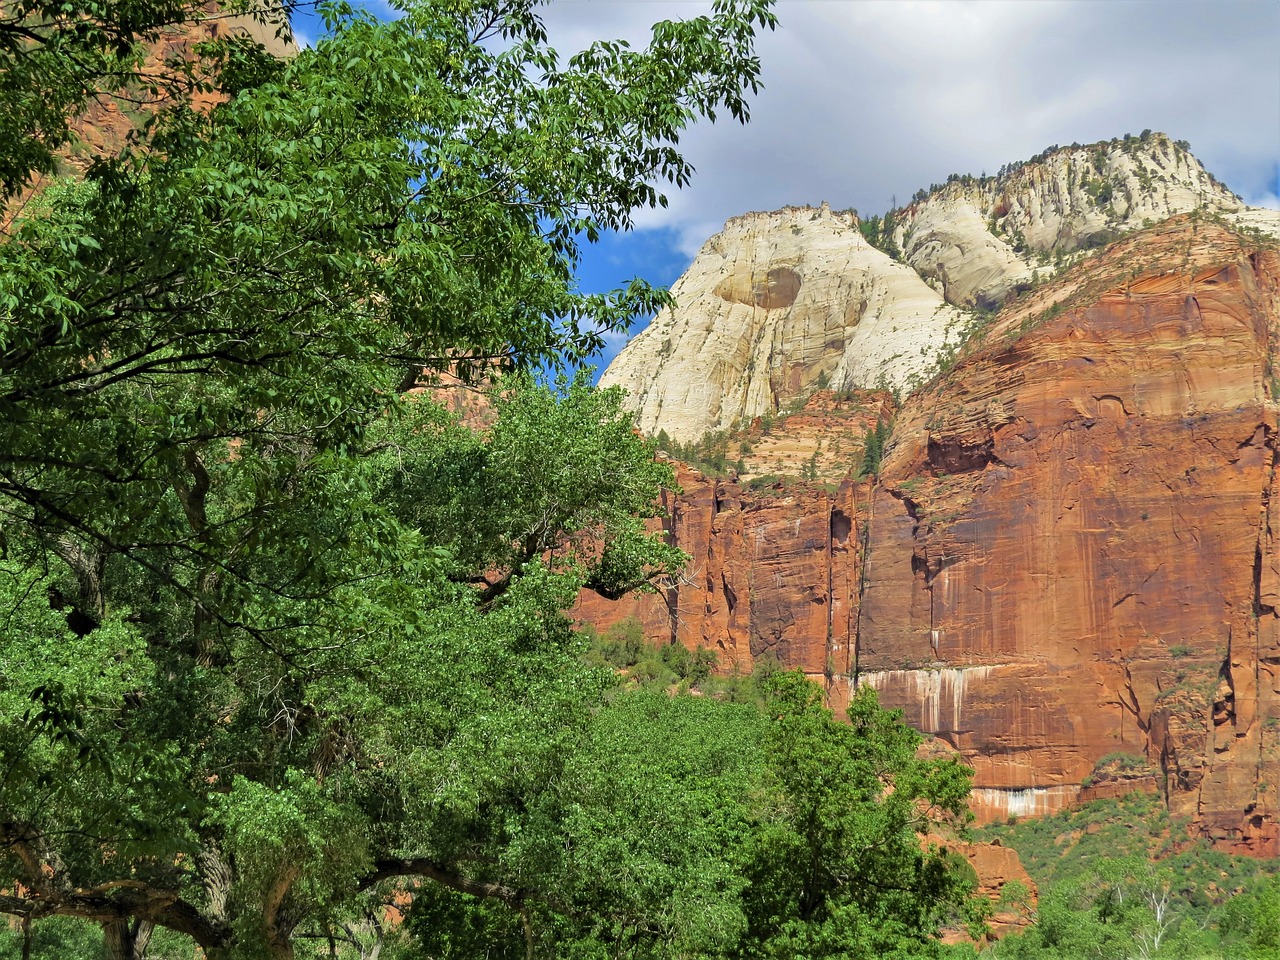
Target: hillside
point(1068, 550)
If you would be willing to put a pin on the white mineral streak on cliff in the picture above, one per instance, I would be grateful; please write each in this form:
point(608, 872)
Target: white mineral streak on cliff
point(932, 689)
point(771, 304)
point(999, 803)
point(979, 238)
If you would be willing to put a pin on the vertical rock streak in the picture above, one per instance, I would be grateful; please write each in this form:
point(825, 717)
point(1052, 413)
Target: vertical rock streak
point(932, 690)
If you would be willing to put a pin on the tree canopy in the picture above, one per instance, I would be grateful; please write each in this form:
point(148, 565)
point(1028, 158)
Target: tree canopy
point(282, 640)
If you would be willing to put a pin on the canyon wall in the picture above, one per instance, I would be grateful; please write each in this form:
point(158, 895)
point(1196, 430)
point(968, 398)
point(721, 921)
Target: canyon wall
point(1069, 551)
point(1071, 545)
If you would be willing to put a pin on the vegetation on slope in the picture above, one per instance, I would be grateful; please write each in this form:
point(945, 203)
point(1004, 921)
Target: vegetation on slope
point(1120, 879)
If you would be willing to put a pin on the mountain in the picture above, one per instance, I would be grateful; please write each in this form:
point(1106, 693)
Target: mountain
point(1069, 552)
point(773, 306)
point(981, 239)
point(779, 304)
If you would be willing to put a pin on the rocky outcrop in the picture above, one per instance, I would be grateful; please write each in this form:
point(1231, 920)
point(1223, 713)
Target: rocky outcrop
point(1071, 550)
point(1002, 879)
point(772, 307)
point(774, 573)
point(822, 440)
point(980, 239)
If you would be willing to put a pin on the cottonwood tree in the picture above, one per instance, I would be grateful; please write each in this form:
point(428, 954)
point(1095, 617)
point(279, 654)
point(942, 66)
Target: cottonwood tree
point(243, 689)
point(694, 827)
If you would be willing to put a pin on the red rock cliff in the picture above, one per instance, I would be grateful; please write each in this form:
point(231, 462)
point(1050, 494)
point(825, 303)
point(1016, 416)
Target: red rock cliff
point(775, 572)
point(1070, 551)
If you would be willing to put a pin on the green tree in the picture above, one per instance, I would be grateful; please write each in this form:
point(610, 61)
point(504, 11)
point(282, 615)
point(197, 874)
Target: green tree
point(838, 869)
point(687, 826)
point(873, 445)
point(253, 678)
point(1121, 907)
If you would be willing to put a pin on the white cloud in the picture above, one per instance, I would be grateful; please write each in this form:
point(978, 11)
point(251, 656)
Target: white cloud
point(866, 100)
point(1269, 200)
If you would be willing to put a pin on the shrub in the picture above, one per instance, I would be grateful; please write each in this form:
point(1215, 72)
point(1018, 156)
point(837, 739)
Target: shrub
point(1122, 762)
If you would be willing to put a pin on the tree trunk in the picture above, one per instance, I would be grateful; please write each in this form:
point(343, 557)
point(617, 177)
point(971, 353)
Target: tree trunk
point(127, 939)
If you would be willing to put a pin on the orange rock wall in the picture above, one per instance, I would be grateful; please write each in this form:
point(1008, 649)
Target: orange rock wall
point(774, 573)
point(1071, 550)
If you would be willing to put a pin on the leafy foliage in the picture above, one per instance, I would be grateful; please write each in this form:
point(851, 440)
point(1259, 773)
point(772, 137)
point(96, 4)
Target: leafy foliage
point(767, 827)
point(839, 871)
point(278, 634)
point(1119, 879)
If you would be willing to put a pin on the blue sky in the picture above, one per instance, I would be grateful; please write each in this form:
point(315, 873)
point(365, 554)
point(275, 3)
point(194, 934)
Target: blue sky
point(868, 100)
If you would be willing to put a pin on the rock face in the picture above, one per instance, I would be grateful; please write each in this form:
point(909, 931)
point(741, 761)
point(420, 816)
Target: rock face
point(1070, 553)
point(773, 573)
point(1071, 549)
point(774, 305)
point(980, 239)
point(779, 303)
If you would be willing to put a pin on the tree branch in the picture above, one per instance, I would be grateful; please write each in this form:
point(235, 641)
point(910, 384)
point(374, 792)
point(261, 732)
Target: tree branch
point(421, 867)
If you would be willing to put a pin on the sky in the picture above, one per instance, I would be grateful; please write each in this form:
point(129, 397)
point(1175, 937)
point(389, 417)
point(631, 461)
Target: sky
point(865, 101)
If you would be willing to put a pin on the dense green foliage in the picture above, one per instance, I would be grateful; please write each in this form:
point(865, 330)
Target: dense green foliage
point(282, 641)
point(1122, 879)
point(768, 827)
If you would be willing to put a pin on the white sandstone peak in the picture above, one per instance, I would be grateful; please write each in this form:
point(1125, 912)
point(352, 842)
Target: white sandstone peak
point(981, 238)
point(773, 306)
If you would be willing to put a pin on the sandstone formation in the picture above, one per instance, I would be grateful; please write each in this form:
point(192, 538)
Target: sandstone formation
point(979, 239)
point(773, 573)
point(1069, 553)
point(824, 437)
point(772, 307)
point(1080, 513)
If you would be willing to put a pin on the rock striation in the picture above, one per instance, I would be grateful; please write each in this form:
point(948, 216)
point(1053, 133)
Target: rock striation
point(1076, 527)
point(773, 306)
point(1070, 551)
point(774, 573)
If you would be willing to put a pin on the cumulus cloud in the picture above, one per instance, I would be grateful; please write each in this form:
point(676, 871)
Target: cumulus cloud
point(868, 100)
